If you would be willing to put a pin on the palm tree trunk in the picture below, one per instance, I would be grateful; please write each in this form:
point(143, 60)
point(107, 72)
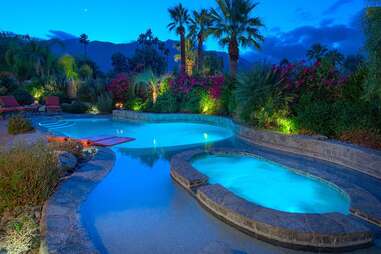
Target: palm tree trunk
point(200, 57)
point(233, 57)
point(182, 46)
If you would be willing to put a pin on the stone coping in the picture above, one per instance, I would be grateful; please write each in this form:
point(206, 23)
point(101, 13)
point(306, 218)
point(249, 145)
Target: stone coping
point(364, 160)
point(327, 232)
point(61, 227)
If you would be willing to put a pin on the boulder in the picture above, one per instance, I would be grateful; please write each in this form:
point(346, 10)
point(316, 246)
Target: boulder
point(66, 160)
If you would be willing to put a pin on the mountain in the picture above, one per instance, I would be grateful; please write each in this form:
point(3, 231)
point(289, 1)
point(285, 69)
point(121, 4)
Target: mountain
point(101, 52)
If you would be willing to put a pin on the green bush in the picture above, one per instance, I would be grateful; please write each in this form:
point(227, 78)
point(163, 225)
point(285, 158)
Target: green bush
point(191, 101)
point(315, 116)
point(75, 107)
point(228, 100)
point(21, 234)
point(18, 124)
point(23, 96)
point(260, 99)
point(28, 175)
point(166, 103)
point(104, 103)
point(8, 83)
point(136, 104)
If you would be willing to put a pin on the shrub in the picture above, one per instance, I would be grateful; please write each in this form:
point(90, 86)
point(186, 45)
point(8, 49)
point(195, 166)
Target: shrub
point(104, 103)
point(208, 103)
point(315, 116)
point(28, 175)
point(191, 101)
point(166, 103)
point(8, 83)
point(136, 104)
point(228, 101)
point(260, 97)
point(23, 96)
point(18, 124)
point(72, 147)
point(119, 87)
point(75, 107)
point(21, 235)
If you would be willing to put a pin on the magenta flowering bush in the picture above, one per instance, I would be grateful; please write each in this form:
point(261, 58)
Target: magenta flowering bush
point(216, 84)
point(118, 87)
point(184, 84)
point(297, 76)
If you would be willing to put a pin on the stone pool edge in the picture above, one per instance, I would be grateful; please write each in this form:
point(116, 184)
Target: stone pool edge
point(320, 232)
point(361, 159)
point(61, 227)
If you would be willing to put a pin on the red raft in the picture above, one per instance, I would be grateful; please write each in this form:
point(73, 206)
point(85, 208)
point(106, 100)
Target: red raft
point(103, 140)
point(108, 140)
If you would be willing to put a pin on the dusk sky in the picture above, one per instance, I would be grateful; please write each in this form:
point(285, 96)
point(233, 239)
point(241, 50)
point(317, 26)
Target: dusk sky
point(120, 21)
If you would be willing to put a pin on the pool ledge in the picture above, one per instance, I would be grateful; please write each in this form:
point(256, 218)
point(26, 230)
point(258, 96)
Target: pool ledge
point(319, 232)
point(61, 227)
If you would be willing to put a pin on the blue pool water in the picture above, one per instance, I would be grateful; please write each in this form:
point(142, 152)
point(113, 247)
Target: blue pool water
point(137, 208)
point(271, 185)
point(147, 135)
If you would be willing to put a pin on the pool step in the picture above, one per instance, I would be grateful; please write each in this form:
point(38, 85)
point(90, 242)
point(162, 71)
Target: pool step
point(52, 125)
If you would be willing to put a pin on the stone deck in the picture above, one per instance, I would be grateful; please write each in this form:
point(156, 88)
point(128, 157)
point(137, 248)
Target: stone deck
point(61, 228)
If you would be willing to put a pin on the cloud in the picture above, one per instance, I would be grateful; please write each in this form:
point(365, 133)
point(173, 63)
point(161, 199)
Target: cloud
point(348, 39)
point(55, 34)
point(336, 6)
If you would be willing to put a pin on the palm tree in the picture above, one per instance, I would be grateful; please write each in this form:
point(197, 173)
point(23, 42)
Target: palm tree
point(234, 26)
point(180, 18)
point(150, 82)
point(190, 57)
point(317, 52)
point(335, 57)
point(84, 39)
point(199, 30)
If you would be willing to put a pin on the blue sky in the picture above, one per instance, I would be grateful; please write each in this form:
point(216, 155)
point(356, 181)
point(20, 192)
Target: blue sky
point(123, 20)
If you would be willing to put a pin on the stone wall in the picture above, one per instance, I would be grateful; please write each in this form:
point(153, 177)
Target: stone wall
point(364, 160)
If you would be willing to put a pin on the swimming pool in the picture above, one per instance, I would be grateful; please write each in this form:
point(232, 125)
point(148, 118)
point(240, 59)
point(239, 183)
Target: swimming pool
point(272, 185)
point(147, 135)
point(137, 207)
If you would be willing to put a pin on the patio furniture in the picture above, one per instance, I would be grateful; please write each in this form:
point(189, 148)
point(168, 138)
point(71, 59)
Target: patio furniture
point(10, 105)
point(52, 104)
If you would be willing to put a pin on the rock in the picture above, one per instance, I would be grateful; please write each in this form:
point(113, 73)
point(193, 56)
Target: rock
point(66, 161)
point(42, 109)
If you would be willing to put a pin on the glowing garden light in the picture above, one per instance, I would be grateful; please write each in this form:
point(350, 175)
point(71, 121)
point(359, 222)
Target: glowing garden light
point(119, 105)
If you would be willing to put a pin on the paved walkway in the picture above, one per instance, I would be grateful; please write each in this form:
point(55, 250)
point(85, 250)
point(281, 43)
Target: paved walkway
point(7, 140)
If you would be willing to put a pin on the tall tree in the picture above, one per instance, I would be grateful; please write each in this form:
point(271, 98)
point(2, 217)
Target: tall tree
point(84, 40)
point(373, 46)
point(335, 57)
point(180, 18)
point(150, 54)
point(317, 52)
point(199, 30)
point(119, 63)
point(235, 26)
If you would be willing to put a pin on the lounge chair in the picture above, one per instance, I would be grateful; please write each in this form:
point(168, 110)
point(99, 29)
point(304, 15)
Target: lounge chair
point(52, 104)
point(10, 105)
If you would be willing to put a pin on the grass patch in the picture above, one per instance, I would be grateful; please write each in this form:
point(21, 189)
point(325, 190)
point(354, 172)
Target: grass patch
point(28, 175)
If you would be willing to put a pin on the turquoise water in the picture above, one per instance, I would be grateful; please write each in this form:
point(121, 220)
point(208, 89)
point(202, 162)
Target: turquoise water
point(147, 135)
point(271, 185)
point(137, 208)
